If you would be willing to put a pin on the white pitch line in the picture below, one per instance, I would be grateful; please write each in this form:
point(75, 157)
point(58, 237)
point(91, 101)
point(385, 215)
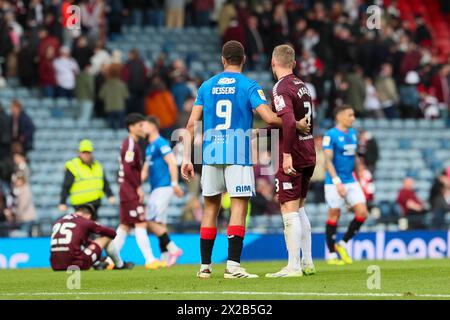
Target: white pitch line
point(244, 293)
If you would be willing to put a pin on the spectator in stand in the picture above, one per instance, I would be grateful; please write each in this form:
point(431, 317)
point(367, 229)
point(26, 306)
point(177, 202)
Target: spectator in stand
point(309, 65)
point(115, 14)
point(178, 78)
point(84, 92)
point(82, 52)
point(23, 206)
point(155, 13)
point(411, 206)
point(114, 94)
point(175, 13)
point(440, 200)
point(410, 60)
point(235, 31)
point(372, 105)
point(6, 45)
point(227, 13)
point(387, 91)
point(66, 69)
point(368, 150)
point(5, 135)
point(366, 182)
point(6, 216)
point(409, 96)
point(440, 83)
point(134, 74)
point(161, 104)
point(27, 68)
point(203, 10)
point(356, 90)
point(22, 127)
point(46, 40)
point(255, 44)
point(92, 18)
point(47, 74)
point(100, 57)
point(422, 35)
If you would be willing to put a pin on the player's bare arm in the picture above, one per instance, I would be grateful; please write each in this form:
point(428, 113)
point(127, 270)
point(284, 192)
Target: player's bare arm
point(187, 168)
point(145, 171)
point(332, 170)
point(289, 136)
point(173, 170)
point(272, 119)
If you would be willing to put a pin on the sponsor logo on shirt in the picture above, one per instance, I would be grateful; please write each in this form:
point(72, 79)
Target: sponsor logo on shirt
point(242, 189)
point(326, 141)
point(279, 103)
point(261, 95)
point(287, 185)
point(226, 81)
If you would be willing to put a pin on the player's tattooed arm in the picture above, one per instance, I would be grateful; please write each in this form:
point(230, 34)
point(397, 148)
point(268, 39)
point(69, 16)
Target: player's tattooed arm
point(332, 171)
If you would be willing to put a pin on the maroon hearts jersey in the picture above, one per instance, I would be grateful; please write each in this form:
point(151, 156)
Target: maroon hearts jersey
point(130, 170)
point(291, 101)
point(71, 234)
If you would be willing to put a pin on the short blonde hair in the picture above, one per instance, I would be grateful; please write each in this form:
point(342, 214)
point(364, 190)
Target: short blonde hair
point(284, 55)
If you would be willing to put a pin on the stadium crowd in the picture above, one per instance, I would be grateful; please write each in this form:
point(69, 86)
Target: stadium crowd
point(392, 72)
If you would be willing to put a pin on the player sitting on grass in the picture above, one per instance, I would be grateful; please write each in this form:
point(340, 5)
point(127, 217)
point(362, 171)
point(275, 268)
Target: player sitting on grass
point(161, 170)
point(292, 100)
point(70, 244)
point(340, 144)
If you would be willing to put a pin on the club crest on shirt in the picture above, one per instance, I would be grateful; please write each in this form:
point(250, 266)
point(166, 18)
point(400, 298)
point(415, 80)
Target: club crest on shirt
point(279, 103)
point(262, 95)
point(129, 156)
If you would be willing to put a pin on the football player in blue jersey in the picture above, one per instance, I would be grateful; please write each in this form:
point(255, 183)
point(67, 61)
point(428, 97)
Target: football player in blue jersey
point(161, 170)
point(227, 101)
point(341, 183)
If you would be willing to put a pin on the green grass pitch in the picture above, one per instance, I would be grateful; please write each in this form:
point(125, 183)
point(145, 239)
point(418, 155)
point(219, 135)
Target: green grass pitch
point(409, 279)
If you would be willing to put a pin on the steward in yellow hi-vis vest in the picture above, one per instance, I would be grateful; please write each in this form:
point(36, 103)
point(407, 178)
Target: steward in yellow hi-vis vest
point(84, 181)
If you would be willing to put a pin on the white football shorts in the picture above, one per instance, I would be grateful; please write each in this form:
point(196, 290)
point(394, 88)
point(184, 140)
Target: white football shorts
point(354, 195)
point(158, 203)
point(237, 180)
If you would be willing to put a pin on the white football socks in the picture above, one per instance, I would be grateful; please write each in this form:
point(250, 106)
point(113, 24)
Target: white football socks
point(119, 240)
point(305, 243)
point(172, 247)
point(112, 252)
point(292, 234)
point(143, 243)
point(232, 264)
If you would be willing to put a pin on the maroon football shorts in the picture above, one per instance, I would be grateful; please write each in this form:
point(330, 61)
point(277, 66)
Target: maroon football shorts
point(131, 212)
point(291, 188)
point(61, 261)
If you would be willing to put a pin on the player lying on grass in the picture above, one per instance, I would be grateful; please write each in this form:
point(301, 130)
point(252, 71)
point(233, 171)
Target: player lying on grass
point(340, 144)
point(297, 156)
point(71, 246)
point(161, 170)
point(226, 102)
